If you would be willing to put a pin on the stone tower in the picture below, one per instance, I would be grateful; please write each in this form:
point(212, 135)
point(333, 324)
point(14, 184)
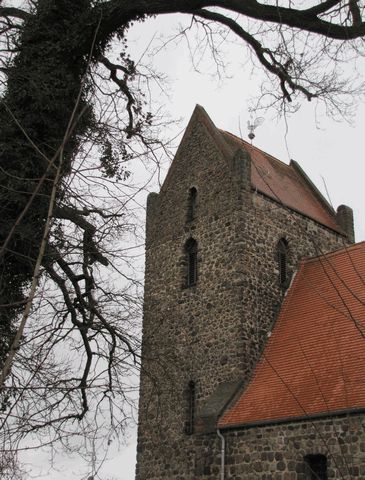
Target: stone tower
point(224, 236)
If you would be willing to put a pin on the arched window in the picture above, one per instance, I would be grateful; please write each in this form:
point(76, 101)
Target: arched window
point(189, 424)
point(191, 250)
point(282, 257)
point(193, 194)
point(316, 467)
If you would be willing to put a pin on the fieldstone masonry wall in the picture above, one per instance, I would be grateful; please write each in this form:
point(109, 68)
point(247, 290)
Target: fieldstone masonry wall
point(213, 333)
point(277, 452)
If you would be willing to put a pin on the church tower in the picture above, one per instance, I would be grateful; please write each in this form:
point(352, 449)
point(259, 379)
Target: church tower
point(223, 239)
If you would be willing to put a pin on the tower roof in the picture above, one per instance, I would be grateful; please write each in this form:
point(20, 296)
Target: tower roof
point(313, 363)
point(286, 184)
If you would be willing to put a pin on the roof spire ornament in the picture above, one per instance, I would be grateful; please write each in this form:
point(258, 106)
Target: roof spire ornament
point(252, 125)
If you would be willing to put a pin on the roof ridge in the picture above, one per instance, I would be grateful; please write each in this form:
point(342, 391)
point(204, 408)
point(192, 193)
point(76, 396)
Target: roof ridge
point(313, 204)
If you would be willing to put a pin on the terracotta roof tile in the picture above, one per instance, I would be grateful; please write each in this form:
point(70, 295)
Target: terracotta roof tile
point(314, 361)
point(283, 183)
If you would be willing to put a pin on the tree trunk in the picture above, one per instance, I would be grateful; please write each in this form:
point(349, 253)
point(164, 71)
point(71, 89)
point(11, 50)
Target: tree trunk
point(43, 89)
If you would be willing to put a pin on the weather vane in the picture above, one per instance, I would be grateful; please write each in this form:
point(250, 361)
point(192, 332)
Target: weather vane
point(253, 125)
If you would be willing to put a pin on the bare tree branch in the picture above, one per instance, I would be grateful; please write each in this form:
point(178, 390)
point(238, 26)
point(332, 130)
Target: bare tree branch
point(122, 84)
point(265, 55)
point(355, 12)
point(116, 14)
point(323, 7)
point(14, 12)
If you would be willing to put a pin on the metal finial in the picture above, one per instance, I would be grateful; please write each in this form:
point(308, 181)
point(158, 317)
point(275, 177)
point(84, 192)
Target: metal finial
point(253, 125)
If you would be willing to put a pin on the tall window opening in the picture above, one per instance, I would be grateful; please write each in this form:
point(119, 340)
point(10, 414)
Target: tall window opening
point(282, 257)
point(191, 250)
point(316, 467)
point(192, 200)
point(189, 424)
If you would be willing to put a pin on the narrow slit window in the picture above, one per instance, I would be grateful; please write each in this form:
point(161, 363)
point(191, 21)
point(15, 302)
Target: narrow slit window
point(282, 257)
point(191, 249)
point(189, 424)
point(192, 200)
point(316, 467)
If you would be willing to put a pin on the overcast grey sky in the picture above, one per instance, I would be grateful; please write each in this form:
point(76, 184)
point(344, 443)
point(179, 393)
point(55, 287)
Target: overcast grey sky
point(331, 155)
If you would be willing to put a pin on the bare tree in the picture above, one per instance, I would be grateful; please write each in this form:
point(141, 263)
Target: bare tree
point(72, 118)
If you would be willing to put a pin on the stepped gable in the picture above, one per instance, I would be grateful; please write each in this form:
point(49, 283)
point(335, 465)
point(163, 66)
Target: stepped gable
point(286, 184)
point(313, 362)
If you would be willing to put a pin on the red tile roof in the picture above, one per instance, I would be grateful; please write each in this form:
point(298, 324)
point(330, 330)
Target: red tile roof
point(285, 183)
point(314, 361)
